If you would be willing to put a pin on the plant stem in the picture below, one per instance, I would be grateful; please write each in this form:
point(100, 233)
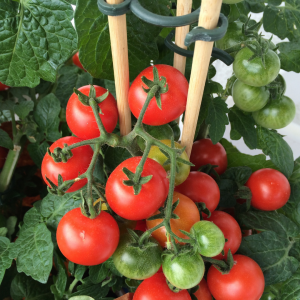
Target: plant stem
point(95, 108)
point(140, 167)
point(147, 233)
point(72, 285)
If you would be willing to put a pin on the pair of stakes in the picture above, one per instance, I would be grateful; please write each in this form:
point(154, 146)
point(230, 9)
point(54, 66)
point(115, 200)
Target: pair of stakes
point(212, 26)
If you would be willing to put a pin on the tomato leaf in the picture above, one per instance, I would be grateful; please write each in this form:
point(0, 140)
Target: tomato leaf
point(290, 56)
point(5, 261)
point(23, 108)
point(61, 278)
point(238, 174)
point(217, 119)
point(94, 41)
point(206, 100)
point(37, 152)
point(228, 188)
point(35, 38)
point(272, 144)
point(23, 286)
point(98, 273)
point(5, 140)
point(114, 156)
point(290, 289)
point(46, 115)
point(283, 21)
point(244, 124)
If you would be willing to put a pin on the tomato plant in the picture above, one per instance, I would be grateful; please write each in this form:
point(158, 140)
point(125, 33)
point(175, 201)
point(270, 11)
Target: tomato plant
point(269, 188)
point(75, 166)
point(203, 293)
point(204, 152)
point(235, 285)
point(77, 235)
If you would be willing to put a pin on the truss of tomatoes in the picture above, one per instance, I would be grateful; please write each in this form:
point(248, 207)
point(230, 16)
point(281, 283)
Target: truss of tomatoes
point(214, 235)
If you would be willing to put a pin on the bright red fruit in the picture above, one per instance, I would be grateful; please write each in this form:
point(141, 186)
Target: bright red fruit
point(87, 241)
point(75, 166)
point(3, 87)
point(81, 119)
point(173, 102)
point(76, 61)
point(270, 189)
point(203, 293)
point(205, 152)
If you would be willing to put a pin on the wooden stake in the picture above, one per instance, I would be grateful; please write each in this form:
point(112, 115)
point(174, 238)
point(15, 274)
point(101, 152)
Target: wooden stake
point(184, 7)
point(119, 49)
point(209, 16)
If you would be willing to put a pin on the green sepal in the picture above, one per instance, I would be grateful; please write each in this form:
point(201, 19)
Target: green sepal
point(133, 235)
point(203, 209)
point(84, 99)
point(156, 217)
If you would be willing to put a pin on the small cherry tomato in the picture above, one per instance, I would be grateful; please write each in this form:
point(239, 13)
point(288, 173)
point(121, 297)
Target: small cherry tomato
point(76, 61)
point(203, 293)
point(3, 87)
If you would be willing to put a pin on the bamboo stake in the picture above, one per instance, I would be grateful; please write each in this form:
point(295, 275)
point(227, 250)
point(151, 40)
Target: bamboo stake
point(119, 49)
point(209, 16)
point(184, 7)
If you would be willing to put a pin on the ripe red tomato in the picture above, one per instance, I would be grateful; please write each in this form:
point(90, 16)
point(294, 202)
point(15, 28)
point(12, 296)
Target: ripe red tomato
point(81, 119)
point(205, 152)
point(230, 229)
point(156, 288)
point(3, 87)
point(173, 102)
point(203, 293)
point(200, 187)
point(188, 215)
point(87, 241)
point(75, 166)
point(141, 225)
point(3, 155)
point(270, 189)
point(244, 281)
point(76, 61)
point(121, 198)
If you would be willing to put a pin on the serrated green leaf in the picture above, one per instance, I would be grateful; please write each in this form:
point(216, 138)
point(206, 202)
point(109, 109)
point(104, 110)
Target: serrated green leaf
point(36, 36)
point(114, 156)
point(283, 21)
point(291, 288)
point(94, 42)
point(213, 87)
point(46, 115)
point(203, 113)
point(244, 124)
point(290, 56)
point(5, 140)
point(23, 108)
point(37, 152)
point(79, 271)
point(238, 174)
point(25, 287)
point(277, 148)
point(61, 278)
point(5, 261)
point(217, 119)
point(98, 273)
point(55, 207)
point(228, 188)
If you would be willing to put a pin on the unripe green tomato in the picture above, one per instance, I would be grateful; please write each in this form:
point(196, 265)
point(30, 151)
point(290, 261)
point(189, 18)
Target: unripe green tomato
point(232, 1)
point(183, 271)
point(210, 238)
point(249, 98)
point(276, 114)
point(183, 169)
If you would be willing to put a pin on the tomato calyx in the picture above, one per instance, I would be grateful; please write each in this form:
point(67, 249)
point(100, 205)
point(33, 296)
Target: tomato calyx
point(60, 154)
point(209, 170)
point(203, 209)
point(86, 209)
point(61, 188)
point(224, 266)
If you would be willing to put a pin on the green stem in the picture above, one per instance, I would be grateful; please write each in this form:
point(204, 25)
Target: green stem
point(147, 233)
point(140, 167)
point(72, 285)
point(13, 122)
point(95, 108)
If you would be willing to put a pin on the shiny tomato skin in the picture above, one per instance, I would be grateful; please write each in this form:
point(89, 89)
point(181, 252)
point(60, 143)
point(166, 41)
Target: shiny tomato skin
point(205, 152)
point(81, 120)
point(244, 281)
point(173, 101)
point(156, 288)
point(270, 189)
point(203, 293)
point(76, 61)
point(75, 166)
point(188, 215)
point(153, 194)
point(87, 241)
point(231, 230)
point(200, 187)
point(3, 87)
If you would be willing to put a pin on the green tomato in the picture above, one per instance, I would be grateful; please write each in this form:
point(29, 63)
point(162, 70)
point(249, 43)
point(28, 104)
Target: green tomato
point(183, 169)
point(185, 270)
point(280, 80)
point(136, 262)
point(231, 1)
point(210, 238)
point(253, 72)
point(249, 98)
point(276, 114)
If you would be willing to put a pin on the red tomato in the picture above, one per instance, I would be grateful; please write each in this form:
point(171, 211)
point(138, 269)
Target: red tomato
point(153, 194)
point(75, 166)
point(156, 288)
point(270, 189)
point(230, 229)
point(87, 241)
point(203, 293)
point(81, 119)
point(141, 225)
point(247, 232)
point(76, 61)
point(205, 152)
point(200, 187)
point(173, 102)
point(3, 87)
point(3, 155)
point(244, 281)
point(188, 215)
